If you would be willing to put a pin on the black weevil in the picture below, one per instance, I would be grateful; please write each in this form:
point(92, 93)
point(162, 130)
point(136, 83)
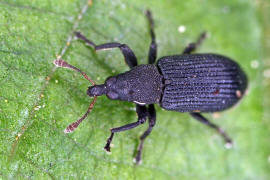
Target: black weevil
point(188, 82)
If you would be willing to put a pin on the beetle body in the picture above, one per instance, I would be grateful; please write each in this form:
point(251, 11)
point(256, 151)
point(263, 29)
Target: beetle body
point(188, 82)
point(183, 83)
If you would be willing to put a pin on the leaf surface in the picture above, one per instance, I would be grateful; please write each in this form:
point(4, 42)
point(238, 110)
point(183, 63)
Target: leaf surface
point(38, 101)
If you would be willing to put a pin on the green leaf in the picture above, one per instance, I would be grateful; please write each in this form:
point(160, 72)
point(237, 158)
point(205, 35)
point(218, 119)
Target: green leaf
point(37, 101)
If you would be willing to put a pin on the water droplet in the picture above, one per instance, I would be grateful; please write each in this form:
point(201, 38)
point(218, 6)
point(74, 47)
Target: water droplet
point(254, 64)
point(181, 28)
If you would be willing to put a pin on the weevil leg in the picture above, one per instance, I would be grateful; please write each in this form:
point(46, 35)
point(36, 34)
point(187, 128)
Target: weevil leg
point(129, 56)
point(152, 122)
point(203, 120)
point(152, 54)
point(193, 46)
point(142, 116)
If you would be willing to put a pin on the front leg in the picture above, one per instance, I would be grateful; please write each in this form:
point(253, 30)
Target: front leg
point(152, 54)
point(129, 55)
point(142, 116)
point(152, 122)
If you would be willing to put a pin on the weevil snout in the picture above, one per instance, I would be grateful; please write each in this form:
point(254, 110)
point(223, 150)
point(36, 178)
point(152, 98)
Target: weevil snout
point(96, 90)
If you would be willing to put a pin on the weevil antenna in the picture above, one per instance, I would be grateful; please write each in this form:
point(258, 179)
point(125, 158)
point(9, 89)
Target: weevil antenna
point(75, 124)
point(64, 64)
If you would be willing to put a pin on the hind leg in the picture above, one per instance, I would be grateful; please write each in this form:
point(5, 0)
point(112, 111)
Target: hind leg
point(203, 120)
point(193, 46)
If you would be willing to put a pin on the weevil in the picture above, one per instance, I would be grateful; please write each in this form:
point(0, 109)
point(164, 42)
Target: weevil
point(191, 83)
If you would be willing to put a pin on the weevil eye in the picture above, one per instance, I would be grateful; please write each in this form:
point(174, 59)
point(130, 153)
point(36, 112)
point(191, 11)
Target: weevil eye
point(112, 95)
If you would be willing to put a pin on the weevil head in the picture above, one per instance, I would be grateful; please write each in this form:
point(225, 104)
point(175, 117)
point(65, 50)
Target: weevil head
point(110, 88)
point(113, 88)
point(117, 88)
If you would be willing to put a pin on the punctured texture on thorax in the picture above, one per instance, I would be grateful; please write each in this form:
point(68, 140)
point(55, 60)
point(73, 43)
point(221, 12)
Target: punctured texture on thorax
point(142, 84)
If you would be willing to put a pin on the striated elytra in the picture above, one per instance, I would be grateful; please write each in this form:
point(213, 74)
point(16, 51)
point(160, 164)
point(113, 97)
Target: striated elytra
point(201, 82)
